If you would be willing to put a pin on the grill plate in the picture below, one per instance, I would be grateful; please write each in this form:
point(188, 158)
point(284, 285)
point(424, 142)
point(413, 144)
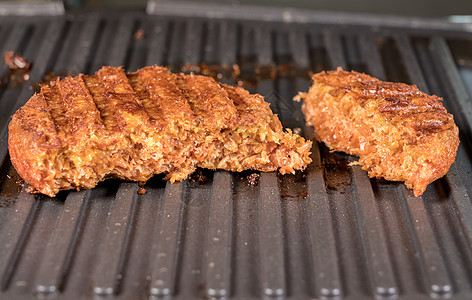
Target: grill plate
point(329, 232)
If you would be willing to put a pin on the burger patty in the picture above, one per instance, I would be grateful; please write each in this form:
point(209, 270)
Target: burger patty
point(81, 130)
point(398, 132)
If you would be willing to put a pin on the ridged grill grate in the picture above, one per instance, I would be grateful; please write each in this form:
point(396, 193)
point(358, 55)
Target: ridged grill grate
point(330, 232)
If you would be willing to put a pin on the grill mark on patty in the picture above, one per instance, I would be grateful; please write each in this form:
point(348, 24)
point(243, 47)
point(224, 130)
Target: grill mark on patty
point(401, 106)
point(116, 100)
point(129, 114)
point(165, 95)
point(251, 108)
point(66, 100)
point(76, 100)
point(398, 102)
point(427, 121)
point(210, 103)
point(36, 119)
point(191, 98)
point(406, 105)
point(90, 86)
point(54, 107)
point(390, 96)
point(151, 108)
point(106, 111)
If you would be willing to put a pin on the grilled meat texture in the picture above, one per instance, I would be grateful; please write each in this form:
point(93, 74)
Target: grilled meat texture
point(81, 130)
point(398, 132)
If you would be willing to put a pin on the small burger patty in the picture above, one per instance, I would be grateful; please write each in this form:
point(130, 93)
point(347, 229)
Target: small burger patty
point(398, 132)
point(81, 130)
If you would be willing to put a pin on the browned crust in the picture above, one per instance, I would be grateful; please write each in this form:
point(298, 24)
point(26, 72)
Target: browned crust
point(81, 130)
point(32, 133)
point(398, 132)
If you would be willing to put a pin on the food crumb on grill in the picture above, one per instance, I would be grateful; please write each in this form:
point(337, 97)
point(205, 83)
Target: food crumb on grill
point(141, 191)
point(139, 34)
point(297, 130)
point(253, 179)
point(15, 61)
point(19, 69)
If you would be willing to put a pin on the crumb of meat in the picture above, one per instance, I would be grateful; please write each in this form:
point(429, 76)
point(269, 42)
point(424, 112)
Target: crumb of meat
point(139, 34)
point(253, 179)
point(19, 69)
point(16, 61)
point(299, 97)
point(141, 191)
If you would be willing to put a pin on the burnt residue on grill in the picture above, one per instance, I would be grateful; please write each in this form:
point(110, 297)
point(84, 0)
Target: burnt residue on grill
point(200, 177)
point(292, 186)
point(7, 201)
point(335, 168)
point(246, 73)
point(10, 188)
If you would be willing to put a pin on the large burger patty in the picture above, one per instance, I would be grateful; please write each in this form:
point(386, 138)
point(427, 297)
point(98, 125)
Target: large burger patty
point(398, 132)
point(81, 130)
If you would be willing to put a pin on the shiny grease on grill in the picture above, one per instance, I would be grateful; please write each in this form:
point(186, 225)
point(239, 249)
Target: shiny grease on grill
point(10, 188)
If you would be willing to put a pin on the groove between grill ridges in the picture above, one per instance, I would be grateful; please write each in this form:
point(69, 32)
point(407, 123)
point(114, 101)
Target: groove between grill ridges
point(62, 245)
point(436, 279)
point(163, 275)
point(112, 255)
point(16, 235)
point(218, 244)
point(326, 264)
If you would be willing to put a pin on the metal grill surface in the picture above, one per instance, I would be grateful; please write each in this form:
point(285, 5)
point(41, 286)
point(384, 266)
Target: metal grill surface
point(330, 232)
